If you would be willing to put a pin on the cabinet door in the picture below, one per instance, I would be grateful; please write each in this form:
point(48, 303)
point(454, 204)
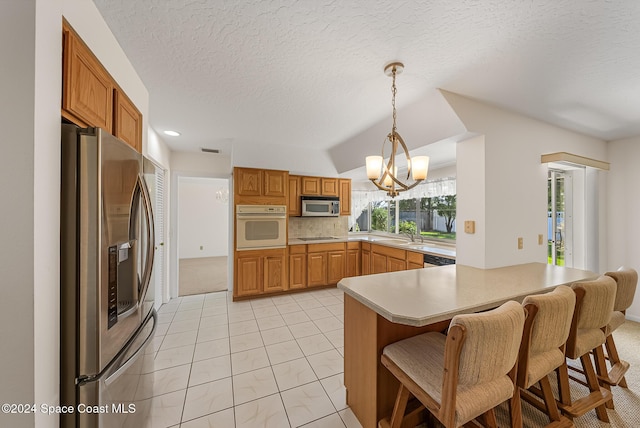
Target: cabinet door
point(366, 262)
point(345, 196)
point(275, 183)
point(87, 96)
point(274, 274)
point(293, 200)
point(353, 263)
point(316, 269)
point(335, 266)
point(329, 186)
point(127, 120)
point(394, 265)
point(378, 263)
point(297, 271)
point(249, 278)
point(248, 181)
point(311, 185)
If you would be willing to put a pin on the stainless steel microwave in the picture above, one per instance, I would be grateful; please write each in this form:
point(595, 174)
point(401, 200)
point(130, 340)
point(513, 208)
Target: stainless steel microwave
point(320, 206)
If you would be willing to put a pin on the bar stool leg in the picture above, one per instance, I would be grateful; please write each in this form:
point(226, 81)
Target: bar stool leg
point(594, 385)
point(614, 358)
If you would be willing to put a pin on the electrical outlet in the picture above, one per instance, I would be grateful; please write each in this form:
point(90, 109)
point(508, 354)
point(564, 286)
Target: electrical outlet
point(201, 247)
point(520, 243)
point(469, 226)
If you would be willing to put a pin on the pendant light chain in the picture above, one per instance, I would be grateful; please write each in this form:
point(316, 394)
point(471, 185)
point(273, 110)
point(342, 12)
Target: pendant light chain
point(394, 91)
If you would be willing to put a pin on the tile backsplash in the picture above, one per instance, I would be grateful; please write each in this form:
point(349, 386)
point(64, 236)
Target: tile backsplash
point(315, 227)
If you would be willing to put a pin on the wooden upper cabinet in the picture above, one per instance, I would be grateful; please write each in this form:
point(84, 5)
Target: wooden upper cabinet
point(90, 96)
point(87, 96)
point(248, 181)
point(344, 185)
point(294, 207)
point(260, 186)
point(275, 183)
point(127, 119)
point(311, 186)
point(329, 186)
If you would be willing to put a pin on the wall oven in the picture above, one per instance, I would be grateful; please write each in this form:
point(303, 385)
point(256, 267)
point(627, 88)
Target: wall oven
point(261, 226)
point(320, 206)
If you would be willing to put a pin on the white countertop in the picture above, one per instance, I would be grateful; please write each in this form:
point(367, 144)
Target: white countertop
point(420, 297)
point(428, 247)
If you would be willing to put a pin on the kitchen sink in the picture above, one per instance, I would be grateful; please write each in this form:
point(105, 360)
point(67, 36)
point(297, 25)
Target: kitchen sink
point(391, 241)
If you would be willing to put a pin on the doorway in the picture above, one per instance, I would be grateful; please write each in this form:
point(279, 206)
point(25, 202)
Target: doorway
point(560, 218)
point(203, 235)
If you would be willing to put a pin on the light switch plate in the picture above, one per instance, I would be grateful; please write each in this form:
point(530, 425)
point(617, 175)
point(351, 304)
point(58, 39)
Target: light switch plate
point(520, 243)
point(540, 239)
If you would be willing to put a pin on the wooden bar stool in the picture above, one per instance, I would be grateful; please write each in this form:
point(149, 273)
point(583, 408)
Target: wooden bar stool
point(594, 304)
point(546, 330)
point(463, 375)
point(626, 282)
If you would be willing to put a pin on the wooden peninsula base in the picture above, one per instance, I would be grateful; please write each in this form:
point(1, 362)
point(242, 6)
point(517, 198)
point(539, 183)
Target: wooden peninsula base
point(384, 308)
point(371, 388)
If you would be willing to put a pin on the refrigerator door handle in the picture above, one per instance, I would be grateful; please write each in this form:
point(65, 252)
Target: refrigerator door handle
point(150, 241)
point(123, 368)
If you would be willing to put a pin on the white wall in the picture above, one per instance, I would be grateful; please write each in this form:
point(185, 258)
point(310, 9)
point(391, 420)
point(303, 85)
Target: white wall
point(296, 160)
point(515, 182)
point(623, 202)
point(31, 84)
point(203, 219)
point(157, 149)
point(470, 192)
point(30, 170)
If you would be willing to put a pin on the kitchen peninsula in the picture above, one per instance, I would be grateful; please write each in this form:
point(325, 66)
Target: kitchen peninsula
point(384, 308)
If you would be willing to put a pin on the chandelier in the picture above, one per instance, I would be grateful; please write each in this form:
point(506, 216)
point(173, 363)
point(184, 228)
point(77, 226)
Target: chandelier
point(385, 175)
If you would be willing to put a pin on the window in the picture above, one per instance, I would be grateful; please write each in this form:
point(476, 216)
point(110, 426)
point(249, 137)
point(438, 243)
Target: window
point(428, 210)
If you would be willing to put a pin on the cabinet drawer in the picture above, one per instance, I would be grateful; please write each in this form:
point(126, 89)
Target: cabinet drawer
point(315, 248)
point(297, 249)
point(353, 245)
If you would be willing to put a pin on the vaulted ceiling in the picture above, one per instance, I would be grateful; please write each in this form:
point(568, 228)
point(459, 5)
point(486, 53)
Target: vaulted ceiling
point(309, 72)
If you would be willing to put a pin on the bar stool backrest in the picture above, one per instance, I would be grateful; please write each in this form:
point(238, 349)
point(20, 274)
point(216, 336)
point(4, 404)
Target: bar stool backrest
point(499, 329)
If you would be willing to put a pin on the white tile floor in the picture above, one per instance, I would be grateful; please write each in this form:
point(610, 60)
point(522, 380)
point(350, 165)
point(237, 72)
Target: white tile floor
point(268, 362)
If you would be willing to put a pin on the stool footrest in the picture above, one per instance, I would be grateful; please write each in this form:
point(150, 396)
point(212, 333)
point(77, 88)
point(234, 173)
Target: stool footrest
point(616, 374)
point(583, 405)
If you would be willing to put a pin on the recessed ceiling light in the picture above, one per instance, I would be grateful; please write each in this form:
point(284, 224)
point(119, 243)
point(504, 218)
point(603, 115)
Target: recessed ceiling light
point(172, 133)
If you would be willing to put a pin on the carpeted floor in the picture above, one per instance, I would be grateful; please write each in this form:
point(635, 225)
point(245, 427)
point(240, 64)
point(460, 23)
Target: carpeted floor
point(627, 401)
point(202, 275)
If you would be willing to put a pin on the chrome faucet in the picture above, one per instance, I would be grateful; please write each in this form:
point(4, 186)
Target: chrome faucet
point(410, 235)
point(413, 237)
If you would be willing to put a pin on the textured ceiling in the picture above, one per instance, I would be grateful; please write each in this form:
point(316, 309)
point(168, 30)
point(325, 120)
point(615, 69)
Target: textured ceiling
point(309, 72)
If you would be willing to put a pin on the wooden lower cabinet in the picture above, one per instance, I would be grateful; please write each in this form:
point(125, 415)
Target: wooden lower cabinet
point(365, 259)
point(395, 265)
point(415, 260)
point(274, 273)
point(353, 259)
point(387, 259)
point(248, 276)
point(316, 269)
point(326, 264)
point(336, 266)
point(297, 266)
point(260, 272)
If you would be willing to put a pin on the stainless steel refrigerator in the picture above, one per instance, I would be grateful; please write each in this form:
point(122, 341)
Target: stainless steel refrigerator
point(107, 246)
